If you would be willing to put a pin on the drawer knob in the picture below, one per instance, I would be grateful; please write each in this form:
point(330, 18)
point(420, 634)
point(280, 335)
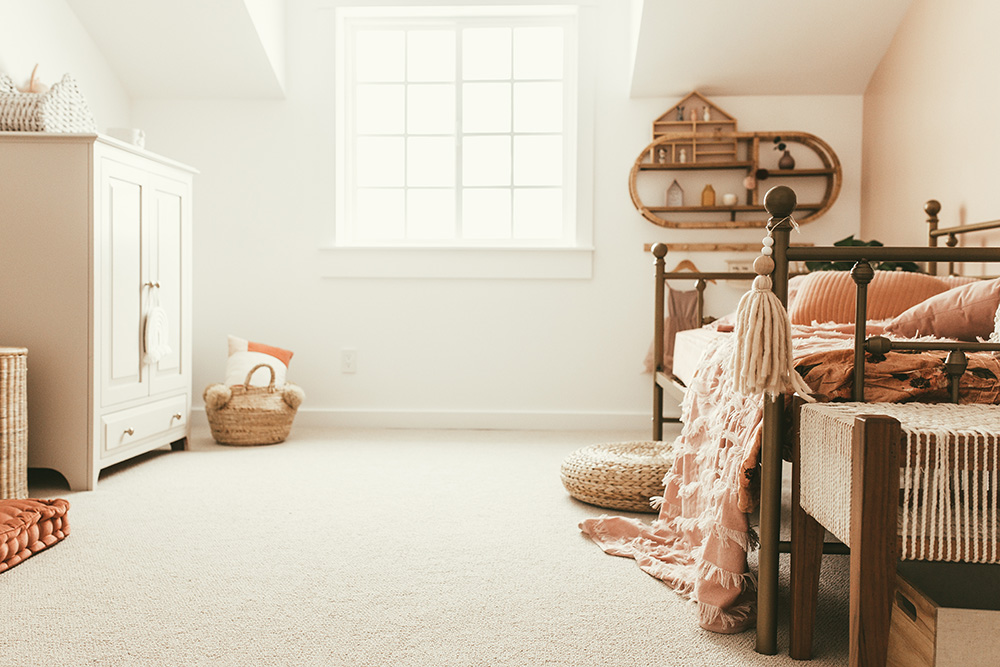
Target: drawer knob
point(130, 431)
point(177, 415)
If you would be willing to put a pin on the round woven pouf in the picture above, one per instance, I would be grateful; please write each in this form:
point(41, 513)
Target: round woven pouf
point(621, 475)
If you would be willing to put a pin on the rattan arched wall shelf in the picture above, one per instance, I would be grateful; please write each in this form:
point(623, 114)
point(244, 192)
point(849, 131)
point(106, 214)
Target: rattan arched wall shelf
point(702, 142)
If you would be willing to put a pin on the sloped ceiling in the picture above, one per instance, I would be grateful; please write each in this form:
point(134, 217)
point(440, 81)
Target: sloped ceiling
point(188, 49)
point(760, 47)
point(229, 49)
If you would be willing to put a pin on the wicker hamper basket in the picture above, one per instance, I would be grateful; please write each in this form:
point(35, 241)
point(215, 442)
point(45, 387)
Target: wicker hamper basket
point(621, 476)
point(13, 422)
point(248, 415)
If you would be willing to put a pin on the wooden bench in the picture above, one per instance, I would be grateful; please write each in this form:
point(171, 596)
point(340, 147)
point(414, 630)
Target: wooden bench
point(911, 481)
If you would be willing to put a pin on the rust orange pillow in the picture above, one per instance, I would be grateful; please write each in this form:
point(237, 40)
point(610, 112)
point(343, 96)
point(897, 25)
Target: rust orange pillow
point(964, 313)
point(829, 296)
point(957, 281)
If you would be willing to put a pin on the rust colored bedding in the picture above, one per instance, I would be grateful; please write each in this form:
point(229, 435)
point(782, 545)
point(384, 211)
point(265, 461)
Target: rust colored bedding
point(899, 376)
point(29, 526)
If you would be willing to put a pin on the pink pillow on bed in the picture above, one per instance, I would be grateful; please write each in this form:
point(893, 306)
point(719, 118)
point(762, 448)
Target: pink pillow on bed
point(829, 296)
point(964, 313)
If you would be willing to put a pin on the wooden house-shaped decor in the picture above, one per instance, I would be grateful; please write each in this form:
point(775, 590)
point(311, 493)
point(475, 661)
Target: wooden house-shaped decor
point(704, 131)
point(675, 194)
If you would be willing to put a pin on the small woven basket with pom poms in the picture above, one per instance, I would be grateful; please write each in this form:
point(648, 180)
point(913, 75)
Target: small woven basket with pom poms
point(246, 415)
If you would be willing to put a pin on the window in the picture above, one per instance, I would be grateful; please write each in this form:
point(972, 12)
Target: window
point(458, 128)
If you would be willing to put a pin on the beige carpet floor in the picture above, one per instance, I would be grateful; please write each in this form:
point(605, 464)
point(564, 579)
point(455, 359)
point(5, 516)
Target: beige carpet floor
point(357, 547)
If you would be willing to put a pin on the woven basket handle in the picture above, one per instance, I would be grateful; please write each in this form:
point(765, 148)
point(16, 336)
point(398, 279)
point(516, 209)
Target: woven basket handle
point(270, 387)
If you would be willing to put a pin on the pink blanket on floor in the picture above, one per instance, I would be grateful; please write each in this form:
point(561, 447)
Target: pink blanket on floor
point(699, 541)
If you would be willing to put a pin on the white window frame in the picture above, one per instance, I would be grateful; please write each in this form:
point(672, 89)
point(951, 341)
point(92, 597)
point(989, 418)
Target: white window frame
point(568, 257)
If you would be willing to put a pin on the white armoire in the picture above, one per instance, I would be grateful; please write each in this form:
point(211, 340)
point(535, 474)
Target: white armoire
point(95, 237)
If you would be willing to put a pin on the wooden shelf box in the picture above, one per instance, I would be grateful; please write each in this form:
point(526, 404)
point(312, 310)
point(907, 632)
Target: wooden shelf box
point(945, 614)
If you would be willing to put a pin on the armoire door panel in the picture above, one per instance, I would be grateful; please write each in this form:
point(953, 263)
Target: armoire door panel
point(123, 376)
point(166, 258)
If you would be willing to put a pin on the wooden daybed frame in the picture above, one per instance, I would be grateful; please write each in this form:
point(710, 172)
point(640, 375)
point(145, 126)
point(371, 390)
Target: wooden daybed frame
point(780, 203)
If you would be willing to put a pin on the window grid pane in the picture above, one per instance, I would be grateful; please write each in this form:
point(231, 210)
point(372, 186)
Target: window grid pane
point(478, 159)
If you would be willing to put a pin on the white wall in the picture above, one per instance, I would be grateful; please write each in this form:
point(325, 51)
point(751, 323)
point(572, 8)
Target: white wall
point(47, 33)
point(484, 353)
point(930, 117)
point(488, 353)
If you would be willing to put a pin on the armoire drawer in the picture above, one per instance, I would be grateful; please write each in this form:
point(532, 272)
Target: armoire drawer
point(123, 428)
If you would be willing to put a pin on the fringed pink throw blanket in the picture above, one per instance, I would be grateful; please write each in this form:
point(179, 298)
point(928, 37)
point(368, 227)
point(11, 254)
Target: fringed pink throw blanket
point(699, 541)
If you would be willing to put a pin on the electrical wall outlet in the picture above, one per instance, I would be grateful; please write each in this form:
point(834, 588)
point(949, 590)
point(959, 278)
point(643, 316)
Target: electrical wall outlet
point(348, 361)
point(740, 265)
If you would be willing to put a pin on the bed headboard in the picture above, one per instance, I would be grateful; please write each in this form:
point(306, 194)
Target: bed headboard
point(932, 208)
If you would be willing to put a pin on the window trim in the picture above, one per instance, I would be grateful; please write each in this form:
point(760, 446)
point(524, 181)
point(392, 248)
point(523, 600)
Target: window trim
point(457, 262)
point(569, 257)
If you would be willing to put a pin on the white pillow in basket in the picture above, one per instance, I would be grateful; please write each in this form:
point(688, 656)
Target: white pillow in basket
point(244, 355)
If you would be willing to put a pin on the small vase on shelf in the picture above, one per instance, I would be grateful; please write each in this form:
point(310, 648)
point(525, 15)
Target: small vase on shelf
point(786, 161)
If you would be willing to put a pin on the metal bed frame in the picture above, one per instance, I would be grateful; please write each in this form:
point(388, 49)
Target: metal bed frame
point(780, 203)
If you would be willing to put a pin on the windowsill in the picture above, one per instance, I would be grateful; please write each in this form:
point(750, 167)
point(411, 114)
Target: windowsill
point(483, 263)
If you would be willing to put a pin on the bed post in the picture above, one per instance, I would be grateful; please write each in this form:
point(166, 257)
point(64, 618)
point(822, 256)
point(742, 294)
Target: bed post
point(862, 273)
point(932, 208)
point(779, 202)
point(659, 252)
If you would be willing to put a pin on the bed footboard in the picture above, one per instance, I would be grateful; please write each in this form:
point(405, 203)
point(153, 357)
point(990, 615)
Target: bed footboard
point(780, 203)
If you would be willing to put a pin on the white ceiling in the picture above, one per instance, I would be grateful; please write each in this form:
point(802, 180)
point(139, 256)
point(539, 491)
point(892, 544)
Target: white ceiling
point(761, 47)
point(201, 49)
point(183, 49)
